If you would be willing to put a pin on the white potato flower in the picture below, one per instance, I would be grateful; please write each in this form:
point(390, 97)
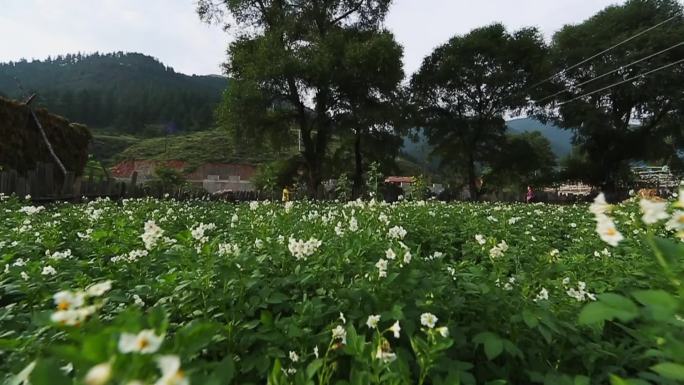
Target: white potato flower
point(353, 225)
point(338, 333)
point(170, 367)
point(258, 244)
point(151, 235)
point(372, 321)
point(676, 222)
point(294, 357)
point(384, 355)
point(389, 254)
point(229, 249)
point(397, 232)
point(99, 289)
point(395, 329)
point(608, 232)
point(498, 250)
point(68, 300)
point(600, 206)
point(407, 257)
point(580, 294)
point(138, 301)
point(542, 296)
point(301, 249)
point(653, 211)
point(428, 319)
point(382, 268)
point(145, 342)
point(98, 374)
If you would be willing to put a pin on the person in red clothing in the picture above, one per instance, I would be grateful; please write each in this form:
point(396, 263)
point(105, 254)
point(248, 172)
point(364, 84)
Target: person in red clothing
point(530, 195)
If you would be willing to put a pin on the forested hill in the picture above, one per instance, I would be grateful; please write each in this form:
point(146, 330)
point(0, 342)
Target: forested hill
point(123, 92)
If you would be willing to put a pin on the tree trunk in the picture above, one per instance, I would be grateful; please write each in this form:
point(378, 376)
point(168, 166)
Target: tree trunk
point(313, 174)
point(358, 172)
point(472, 179)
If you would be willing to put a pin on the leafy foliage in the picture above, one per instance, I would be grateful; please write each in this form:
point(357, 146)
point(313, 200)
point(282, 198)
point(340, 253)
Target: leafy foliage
point(166, 178)
point(200, 147)
point(464, 87)
point(533, 165)
point(308, 69)
point(240, 302)
point(640, 119)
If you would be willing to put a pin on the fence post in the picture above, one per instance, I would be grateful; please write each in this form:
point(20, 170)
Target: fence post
point(12, 181)
point(4, 181)
point(122, 190)
point(20, 188)
point(50, 188)
point(134, 179)
point(68, 186)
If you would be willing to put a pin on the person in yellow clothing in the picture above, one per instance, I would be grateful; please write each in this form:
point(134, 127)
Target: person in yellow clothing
point(286, 194)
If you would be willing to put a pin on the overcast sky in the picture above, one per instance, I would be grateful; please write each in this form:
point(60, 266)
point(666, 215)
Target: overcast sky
point(171, 31)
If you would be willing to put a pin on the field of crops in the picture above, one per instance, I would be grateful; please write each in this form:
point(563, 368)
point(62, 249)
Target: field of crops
point(165, 292)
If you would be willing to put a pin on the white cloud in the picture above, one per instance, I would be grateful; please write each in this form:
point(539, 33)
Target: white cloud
point(422, 25)
point(171, 31)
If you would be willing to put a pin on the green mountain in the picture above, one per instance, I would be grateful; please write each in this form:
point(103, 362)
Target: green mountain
point(123, 92)
point(560, 139)
point(418, 149)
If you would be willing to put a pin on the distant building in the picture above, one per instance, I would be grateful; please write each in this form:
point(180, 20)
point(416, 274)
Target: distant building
point(212, 177)
point(660, 177)
point(571, 189)
point(407, 181)
point(401, 181)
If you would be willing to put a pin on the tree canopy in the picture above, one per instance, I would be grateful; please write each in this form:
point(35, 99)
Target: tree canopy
point(315, 67)
point(634, 121)
point(464, 88)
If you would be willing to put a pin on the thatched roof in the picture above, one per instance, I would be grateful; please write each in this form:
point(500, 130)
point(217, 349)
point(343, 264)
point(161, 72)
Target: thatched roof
point(21, 144)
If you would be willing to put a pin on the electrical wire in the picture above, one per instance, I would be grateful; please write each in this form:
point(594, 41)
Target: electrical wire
point(622, 82)
point(605, 51)
point(611, 72)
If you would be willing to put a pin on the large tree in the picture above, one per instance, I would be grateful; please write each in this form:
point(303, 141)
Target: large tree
point(465, 87)
point(525, 159)
point(314, 66)
point(371, 97)
point(637, 120)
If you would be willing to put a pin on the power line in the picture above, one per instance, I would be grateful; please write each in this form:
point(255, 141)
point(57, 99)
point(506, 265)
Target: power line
point(623, 81)
point(612, 72)
point(605, 51)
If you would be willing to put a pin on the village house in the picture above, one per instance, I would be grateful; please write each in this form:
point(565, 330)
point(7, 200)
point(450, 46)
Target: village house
point(212, 177)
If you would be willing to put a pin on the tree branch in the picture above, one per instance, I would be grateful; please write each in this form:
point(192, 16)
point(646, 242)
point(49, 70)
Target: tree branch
point(346, 14)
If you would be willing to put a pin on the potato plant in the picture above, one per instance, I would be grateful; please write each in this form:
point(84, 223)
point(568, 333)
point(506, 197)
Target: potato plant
point(164, 292)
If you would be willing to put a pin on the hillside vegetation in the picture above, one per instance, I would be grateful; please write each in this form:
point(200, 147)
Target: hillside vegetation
point(198, 147)
point(105, 148)
point(125, 92)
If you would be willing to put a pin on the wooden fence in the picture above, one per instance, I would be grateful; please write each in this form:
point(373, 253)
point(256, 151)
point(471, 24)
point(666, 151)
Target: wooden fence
point(42, 186)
